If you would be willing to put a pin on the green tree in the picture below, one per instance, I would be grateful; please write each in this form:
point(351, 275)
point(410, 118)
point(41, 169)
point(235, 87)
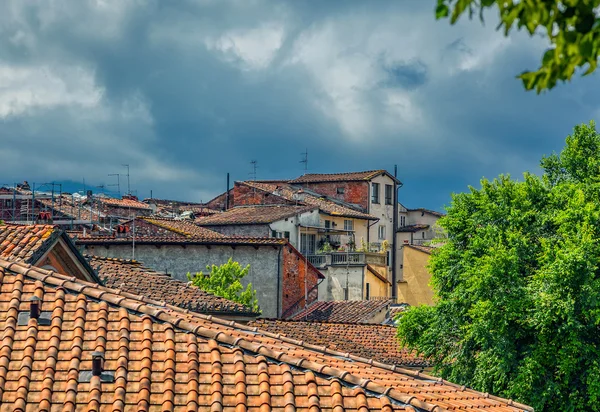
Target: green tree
point(571, 26)
point(225, 281)
point(517, 284)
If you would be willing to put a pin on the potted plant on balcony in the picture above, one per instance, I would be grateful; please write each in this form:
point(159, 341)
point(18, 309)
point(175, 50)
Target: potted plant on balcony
point(385, 246)
point(326, 248)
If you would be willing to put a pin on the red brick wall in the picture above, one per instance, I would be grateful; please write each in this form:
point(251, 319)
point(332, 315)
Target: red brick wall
point(218, 203)
point(294, 270)
point(354, 192)
point(245, 195)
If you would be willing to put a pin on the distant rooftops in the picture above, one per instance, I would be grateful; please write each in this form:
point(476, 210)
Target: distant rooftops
point(257, 214)
point(341, 177)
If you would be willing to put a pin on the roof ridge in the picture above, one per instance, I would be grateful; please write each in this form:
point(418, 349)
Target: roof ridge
point(343, 173)
point(142, 305)
point(327, 322)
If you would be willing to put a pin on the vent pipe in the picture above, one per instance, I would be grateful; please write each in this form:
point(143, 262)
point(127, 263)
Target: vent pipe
point(34, 307)
point(97, 363)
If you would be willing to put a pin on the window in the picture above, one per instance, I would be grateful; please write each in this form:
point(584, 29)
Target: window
point(308, 244)
point(286, 235)
point(389, 189)
point(327, 224)
point(423, 235)
point(368, 292)
point(273, 233)
point(402, 221)
point(374, 192)
point(388, 259)
point(340, 190)
point(381, 232)
point(348, 225)
point(9, 203)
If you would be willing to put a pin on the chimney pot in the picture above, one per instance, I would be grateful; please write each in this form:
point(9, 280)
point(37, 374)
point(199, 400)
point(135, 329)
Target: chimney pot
point(34, 307)
point(97, 363)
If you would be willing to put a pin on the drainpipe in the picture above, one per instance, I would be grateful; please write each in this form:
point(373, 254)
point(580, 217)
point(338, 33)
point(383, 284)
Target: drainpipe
point(395, 238)
point(279, 291)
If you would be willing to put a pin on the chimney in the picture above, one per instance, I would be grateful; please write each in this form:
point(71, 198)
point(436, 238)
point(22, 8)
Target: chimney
point(97, 363)
point(34, 307)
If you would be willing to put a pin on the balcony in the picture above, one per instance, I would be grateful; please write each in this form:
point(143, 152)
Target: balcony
point(323, 260)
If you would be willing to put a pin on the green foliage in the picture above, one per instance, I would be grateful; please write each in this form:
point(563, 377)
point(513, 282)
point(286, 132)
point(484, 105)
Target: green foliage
point(225, 281)
point(326, 248)
point(571, 26)
point(518, 285)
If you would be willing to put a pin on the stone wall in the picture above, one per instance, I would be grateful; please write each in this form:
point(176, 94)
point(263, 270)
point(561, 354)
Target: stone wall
point(356, 193)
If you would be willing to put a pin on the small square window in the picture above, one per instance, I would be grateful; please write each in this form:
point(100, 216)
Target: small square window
point(341, 190)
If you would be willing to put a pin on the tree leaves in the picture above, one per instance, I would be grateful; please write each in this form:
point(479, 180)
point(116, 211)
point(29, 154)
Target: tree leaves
point(518, 285)
point(225, 281)
point(572, 28)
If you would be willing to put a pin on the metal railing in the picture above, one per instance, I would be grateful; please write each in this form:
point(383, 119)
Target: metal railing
point(346, 258)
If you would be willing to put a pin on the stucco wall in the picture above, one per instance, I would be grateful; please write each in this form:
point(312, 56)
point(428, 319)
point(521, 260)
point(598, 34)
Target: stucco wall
point(333, 287)
point(178, 261)
point(384, 212)
point(378, 288)
point(415, 289)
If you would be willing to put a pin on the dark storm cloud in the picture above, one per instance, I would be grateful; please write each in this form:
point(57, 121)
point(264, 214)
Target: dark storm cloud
point(187, 91)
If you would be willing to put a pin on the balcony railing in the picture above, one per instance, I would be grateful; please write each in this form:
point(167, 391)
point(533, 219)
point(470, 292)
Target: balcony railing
point(343, 258)
point(420, 242)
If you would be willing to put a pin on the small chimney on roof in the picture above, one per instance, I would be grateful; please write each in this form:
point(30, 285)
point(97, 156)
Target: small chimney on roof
point(34, 307)
point(97, 363)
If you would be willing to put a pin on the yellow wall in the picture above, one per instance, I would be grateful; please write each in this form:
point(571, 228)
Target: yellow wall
point(377, 287)
point(415, 289)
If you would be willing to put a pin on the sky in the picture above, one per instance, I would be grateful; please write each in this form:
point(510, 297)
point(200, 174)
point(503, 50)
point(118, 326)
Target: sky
point(186, 91)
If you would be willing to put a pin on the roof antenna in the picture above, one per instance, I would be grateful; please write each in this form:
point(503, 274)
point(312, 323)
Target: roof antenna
point(305, 160)
point(254, 167)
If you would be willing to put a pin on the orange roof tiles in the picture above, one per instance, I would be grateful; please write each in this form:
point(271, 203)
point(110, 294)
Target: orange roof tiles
point(182, 227)
point(124, 203)
point(159, 357)
point(377, 342)
point(338, 177)
point(26, 243)
point(355, 311)
point(170, 240)
point(131, 276)
point(249, 215)
point(424, 249)
point(292, 194)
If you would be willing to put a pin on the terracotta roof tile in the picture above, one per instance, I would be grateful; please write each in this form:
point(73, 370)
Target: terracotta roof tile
point(26, 242)
point(377, 342)
point(424, 249)
point(182, 227)
point(158, 357)
point(355, 311)
point(413, 228)
point(337, 177)
point(131, 276)
point(124, 203)
point(301, 196)
point(225, 240)
point(431, 212)
point(249, 215)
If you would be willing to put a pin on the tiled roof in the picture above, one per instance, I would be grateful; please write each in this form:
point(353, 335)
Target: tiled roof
point(293, 194)
point(413, 228)
point(431, 212)
point(355, 311)
point(158, 357)
point(182, 227)
point(424, 249)
point(338, 177)
point(26, 243)
point(225, 240)
point(131, 276)
point(73, 210)
point(249, 215)
point(377, 342)
point(123, 203)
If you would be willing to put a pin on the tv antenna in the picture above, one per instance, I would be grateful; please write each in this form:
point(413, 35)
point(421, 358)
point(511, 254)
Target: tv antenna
point(128, 188)
point(118, 184)
point(254, 167)
point(305, 160)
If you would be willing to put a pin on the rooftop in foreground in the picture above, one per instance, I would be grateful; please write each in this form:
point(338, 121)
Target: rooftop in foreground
point(97, 348)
